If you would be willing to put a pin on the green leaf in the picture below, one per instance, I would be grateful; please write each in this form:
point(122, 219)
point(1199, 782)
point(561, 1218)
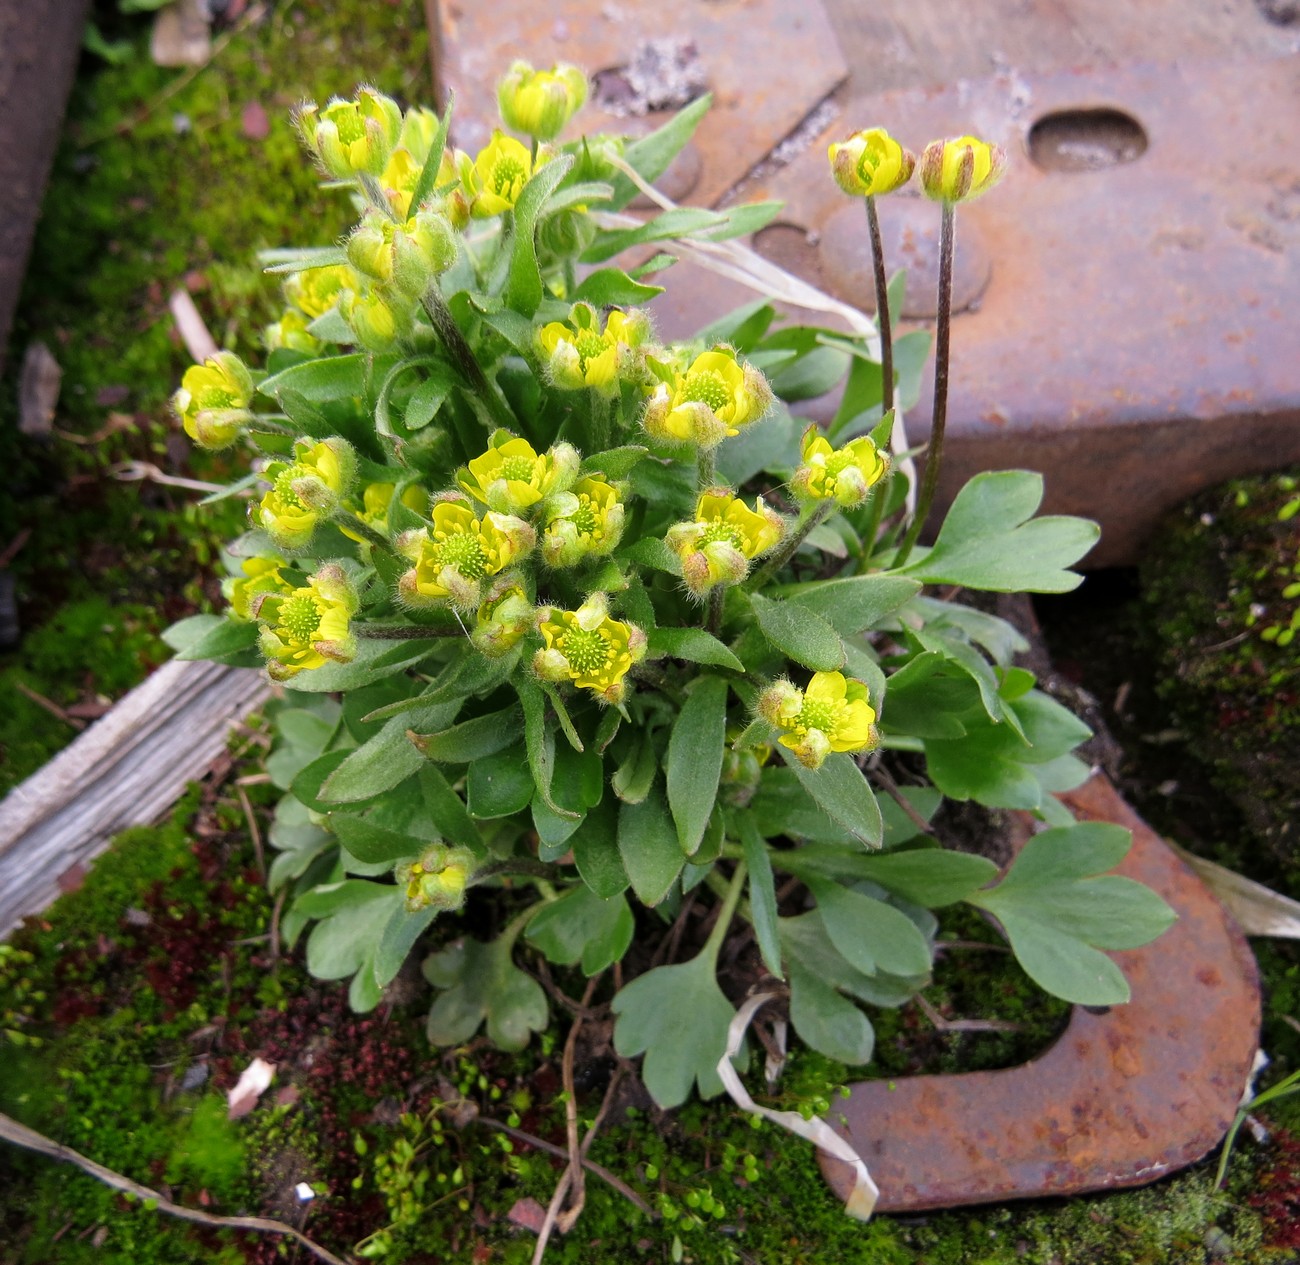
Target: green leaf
point(782, 807)
point(539, 741)
point(383, 761)
point(301, 258)
point(398, 938)
point(307, 782)
point(863, 394)
point(580, 926)
point(1059, 908)
point(615, 463)
point(321, 381)
point(635, 776)
point(682, 221)
point(807, 946)
point(471, 739)
point(990, 539)
point(841, 791)
point(447, 812)
point(524, 281)
point(428, 178)
point(744, 220)
point(481, 982)
point(676, 1016)
point(762, 893)
point(828, 1022)
point(595, 850)
point(852, 606)
point(694, 764)
point(647, 842)
point(651, 155)
point(693, 645)
point(650, 551)
point(771, 444)
point(869, 933)
point(612, 287)
point(500, 785)
point(375, 660)
point(930, 877)
point(799, 634)
point(370, 843)
point(345, 942)
point(217, 639)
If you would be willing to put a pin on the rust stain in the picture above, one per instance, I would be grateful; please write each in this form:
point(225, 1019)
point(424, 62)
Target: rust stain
point(1103, 1108)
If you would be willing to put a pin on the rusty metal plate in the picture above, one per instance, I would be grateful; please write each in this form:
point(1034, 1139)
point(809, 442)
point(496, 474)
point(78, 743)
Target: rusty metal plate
point(767, 62)
point(1122, 1097)
point(1129, 329)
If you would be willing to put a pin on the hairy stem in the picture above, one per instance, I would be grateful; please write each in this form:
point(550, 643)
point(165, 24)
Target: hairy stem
point(480, 389)
point(713, 616)
point(882, 309)
point(934, 453)
point(706, 468)
point(402, 632)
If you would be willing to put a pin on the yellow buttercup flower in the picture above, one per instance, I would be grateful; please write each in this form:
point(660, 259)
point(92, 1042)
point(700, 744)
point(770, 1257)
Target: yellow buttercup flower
point(725, 536)
point(351, 138)
point(213, 400)
point(586, 522)
point(960, 169)
point(870, 163)
point(291, 332)
point(713, 399)
point(511, 476)
point(504, 617)
point(260, 575)
point(304, 491)
point(832, 714)
point(588, 648)
point(580, 354)
point(496, 177)
point(843, 475)
point(453, 559)
point(316, 290)
point(308, 627)
point(539, 103)
point(377, 500)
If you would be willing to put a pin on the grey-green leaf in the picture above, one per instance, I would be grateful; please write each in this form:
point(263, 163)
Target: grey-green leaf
point(694, 764)
point(841, 791)
point(799, 634)
point(647, 842)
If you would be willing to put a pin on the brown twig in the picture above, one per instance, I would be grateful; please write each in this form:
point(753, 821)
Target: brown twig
point(590, 1165)
point(254, 833)
point(573, 1178)
point(891, 788)
point(667, 949)
point(30, 1140)
point(50, 706)
point(965, 1025)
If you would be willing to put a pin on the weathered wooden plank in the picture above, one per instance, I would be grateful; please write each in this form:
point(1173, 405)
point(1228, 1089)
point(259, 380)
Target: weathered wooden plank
point(127, 769)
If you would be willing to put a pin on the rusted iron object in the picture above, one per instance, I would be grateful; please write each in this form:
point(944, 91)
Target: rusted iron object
point(767, 62)
point(1122, 1098)
point(1130, 287)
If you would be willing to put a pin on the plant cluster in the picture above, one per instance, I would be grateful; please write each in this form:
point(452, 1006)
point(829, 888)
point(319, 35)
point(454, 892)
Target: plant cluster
point(566, 612)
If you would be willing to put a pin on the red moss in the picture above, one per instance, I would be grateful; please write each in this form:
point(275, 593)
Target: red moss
point(1277, 1198)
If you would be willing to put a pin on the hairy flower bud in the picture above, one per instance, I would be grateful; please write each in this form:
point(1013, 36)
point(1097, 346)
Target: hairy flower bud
point(495, 178)
point(832, 714)
point(438, 879)
point(213, 400)
point(351, 138)
point(584, 523)
point(452, 560)
point(870, 163)
point(845, 475)
point(377, 320)
point(512, 477)
point(539, 103)
point(504, 617)
point(712, 399)
point(304, 491)
point(588, 648)
point(961, 169)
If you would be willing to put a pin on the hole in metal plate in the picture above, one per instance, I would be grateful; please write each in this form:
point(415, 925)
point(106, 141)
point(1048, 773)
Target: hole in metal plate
point(1086, 140)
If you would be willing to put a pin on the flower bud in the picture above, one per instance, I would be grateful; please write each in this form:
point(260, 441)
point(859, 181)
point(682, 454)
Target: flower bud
point(539, 103)
point(870, 163)
point(588, 648)
point(711, 400)
point(505, 616)
point(438, 879)
point(351, 138)
point(304, 491)
point(832, 714)
point(376, 321)
point(584, 523)
point(511, 476)
point(578, 353)
point(291, 332)
point(780, 702)
point(961, 169)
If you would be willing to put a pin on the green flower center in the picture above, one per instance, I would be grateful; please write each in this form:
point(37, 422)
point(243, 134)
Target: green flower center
point(585, 518)
point(589, 347)
point(299, 617)
point(838, 462)
point(817, 714)
point(519, 467)
point(585, 651)
point(284, 482)
point(506, 171)
point(728, 532)
point(464, 552)
point(219, 397)
point(706, 387)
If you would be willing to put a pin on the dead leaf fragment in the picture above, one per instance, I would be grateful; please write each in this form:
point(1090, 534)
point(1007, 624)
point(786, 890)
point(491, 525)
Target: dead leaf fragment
point(253, 1082)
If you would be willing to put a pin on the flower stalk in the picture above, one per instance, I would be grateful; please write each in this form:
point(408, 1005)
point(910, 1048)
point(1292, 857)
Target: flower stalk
point(810, 520)
point(882, 308)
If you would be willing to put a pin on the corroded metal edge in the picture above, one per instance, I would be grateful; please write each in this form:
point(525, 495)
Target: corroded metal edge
point(1121, 1099)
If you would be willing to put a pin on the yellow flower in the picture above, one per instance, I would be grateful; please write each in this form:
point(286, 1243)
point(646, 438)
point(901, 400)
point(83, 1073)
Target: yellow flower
point(419, 130)
point(539, 103)
point(213, 400)
point(870, 163)
point(718, 546)
point(308, 627)
point(377, 500)
point(831, 714)
point(408, 255)
point(960, 169)
point(462, 550)
point(316, 290)
point(260, 575)
point(586, 522)
point(351, 138)
point(588, 648)
point(713, 399)
point(843, 475)
point(510, 476)
point(304, 491)
point(580, 354)
point(438, 879)
point(291, 332)
point(503, 618)
point(496, 177)
point(377, 320)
